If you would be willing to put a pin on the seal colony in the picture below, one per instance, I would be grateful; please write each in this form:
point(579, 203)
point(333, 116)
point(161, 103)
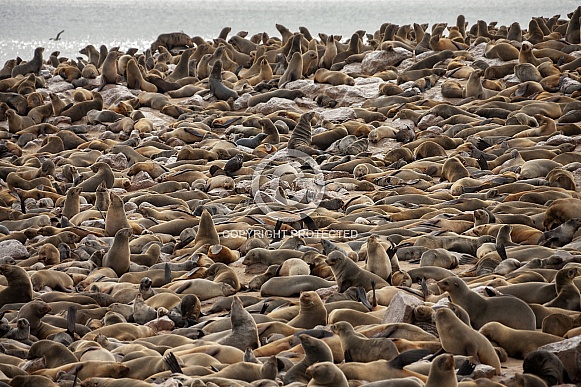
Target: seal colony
point(152, 233)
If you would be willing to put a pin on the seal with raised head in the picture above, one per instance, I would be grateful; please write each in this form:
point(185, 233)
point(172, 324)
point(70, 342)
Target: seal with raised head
point(19, 287)
point(482, 310)
point(460, 339)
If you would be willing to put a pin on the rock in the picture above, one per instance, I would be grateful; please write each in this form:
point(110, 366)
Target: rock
point(401, 309)
point(241, 102)
point(569, 351)
point(113, 94)
point(429, 120)
point(14, 249)
point(326, 292)
point(483, 371)
point(377, 61)
point(161, 324)
point(338, 115)
point(116, 161)
point(141, 180)
point(275, 104)
point(568, 85)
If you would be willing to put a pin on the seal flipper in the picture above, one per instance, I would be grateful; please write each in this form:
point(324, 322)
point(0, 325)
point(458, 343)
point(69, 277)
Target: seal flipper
point(466, 368)
point(408, 357)
point(167, 273)
point(362, 298)
point(347, 356)
point(501, 250)
point(172, 363)
point(71, 321)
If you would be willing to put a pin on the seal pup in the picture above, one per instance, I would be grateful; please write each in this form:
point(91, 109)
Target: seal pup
point(460, 339)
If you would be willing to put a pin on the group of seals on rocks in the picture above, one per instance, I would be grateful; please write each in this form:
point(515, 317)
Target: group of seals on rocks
point(153, 233)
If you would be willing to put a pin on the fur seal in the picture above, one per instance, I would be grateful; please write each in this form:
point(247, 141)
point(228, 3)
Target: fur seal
point(458, 338)
point(118, 256)
point(32, 66)
point(312, 312)
point(517, 343)
point(19, 287)
point(348, 274)
point(482, 310)
point(217, 86)
point(316, 351)
point(442, 372)
point(359, 348)
point(326, 374)
point(103, 173)
point(244, 332)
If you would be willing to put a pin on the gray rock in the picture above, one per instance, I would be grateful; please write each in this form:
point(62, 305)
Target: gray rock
point(141, 180)
point(401, 309)
point(113, 94)
point(338, 115)
point(377, 61)
point(241, 102)
point(116, 161)
point(13, 249)
point(569, 351)
point(275, 104)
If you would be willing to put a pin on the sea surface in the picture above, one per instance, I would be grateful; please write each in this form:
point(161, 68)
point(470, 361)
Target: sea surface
point(25, 25)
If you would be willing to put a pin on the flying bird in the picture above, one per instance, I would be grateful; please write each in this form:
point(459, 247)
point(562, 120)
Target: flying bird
point(58, 36)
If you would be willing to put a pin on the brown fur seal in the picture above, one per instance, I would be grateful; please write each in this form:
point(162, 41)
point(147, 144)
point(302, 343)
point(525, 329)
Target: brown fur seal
point(517, 343)
point(483, 310)
point(326, 374)
point(55, 280)
point(244, 333)
point(348, 274)
point(442, 372)
point(217, 86)
point(206, 232)
point(312, 312)
point(32, 66)
point(460, 339)
point(118, 255)
point(289, 286)
point(54, 354)
point(33, 312)
point(568, 296)
point(103, 173)
point(19, 287)
point(316, 351)
point(115, 219)
point(378, 261)
point(359, 348)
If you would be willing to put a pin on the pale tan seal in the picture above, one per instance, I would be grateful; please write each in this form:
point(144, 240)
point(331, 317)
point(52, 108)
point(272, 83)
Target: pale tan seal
point(460, 339)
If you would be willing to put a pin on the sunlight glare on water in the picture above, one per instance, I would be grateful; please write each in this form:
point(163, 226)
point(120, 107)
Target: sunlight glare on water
point(136, 23)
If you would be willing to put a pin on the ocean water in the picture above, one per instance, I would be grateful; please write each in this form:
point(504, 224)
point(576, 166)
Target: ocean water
point(25, 25)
